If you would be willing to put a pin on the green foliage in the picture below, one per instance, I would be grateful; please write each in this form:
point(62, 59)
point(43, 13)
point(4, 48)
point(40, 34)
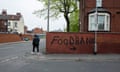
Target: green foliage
point(54, 11)
point(74, 21)
point(57, 7)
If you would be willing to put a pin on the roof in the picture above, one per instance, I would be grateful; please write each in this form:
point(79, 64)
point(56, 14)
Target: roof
point(99, 9)
point(9, 17)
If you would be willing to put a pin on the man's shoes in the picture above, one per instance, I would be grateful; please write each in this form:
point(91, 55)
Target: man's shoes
point(32, 53)
point(35, 53)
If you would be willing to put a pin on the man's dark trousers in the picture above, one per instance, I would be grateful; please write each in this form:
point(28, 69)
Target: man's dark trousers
point(35, 46)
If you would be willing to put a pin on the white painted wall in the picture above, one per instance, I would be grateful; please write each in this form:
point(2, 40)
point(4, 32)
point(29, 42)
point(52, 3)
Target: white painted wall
point(19, 28)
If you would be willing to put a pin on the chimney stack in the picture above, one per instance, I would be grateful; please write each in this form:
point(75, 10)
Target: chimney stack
point(18, 14)
point(4, 12)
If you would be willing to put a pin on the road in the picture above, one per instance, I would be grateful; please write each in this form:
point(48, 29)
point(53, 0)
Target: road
point(15, 50)
point(14, 58)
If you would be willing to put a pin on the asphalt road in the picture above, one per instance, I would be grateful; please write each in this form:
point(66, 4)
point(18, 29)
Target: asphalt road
point(15, 50)
point(13, 58)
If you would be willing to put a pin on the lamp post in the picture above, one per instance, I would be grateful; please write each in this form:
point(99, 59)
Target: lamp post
point(96, 27)
point(48, 15)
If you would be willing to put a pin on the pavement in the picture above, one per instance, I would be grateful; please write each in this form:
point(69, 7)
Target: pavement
point(74, 57)
point(70, 57)
point(7, 43)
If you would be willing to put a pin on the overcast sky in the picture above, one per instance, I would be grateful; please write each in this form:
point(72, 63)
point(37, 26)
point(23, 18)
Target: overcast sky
point(26, 8)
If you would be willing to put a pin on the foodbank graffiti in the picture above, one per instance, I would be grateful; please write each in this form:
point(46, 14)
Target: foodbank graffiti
point(72, 40)
point(69, 42)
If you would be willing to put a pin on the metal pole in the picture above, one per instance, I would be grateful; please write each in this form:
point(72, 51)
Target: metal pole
point(48, 15)
point(96, 19)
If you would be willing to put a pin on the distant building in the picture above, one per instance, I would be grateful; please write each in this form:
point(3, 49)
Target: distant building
point(38, 30)
point(108, 15)
point(25, 29)
point(11, 23)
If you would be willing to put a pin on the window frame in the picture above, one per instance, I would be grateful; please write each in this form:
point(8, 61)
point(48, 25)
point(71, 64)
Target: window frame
point(106, 22)
point(15, 24)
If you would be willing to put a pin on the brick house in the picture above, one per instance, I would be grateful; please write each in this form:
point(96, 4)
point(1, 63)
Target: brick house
point(38, 30)
point(100, 30)
point(11, 23)
point(100, 15)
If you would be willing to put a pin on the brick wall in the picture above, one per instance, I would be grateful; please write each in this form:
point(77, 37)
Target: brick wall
point(108, 43)
point(26, 36)
point(5, 38)
point(82, 43)
point(69, 43)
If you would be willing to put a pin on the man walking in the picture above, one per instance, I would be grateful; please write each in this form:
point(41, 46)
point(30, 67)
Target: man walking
point(35, 43)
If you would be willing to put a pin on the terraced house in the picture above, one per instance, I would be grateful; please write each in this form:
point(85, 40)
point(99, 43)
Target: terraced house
point(11, 23)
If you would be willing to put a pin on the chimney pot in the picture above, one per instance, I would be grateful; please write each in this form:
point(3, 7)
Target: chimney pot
point(4, 12)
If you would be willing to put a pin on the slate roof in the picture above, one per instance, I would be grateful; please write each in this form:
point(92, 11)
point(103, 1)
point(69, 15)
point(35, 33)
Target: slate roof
point(99, 9)
point(9, 17)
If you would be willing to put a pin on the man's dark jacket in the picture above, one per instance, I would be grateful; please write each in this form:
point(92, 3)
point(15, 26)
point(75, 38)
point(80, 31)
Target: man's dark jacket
point(36, 41)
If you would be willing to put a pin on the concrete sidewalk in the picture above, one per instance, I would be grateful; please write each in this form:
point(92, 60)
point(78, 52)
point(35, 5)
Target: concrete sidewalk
point(75, 57)
point(72, 57)
point(8, 43)
point(87, 57)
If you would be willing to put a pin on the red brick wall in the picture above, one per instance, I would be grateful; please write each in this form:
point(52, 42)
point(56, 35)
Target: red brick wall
point(5, 38)
point(69, 43)
point(109, 43)
point(90, 3)
point(82, 43)
point(113, 7)
point(30, 37)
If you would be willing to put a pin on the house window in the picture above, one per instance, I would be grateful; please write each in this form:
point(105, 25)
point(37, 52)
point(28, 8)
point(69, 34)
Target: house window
point(9, 23)
point(15, 24)
point(101, 23)
point(98, 3)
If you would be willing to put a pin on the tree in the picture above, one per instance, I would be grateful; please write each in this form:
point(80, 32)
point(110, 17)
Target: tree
point(59, 6)
point(74, 21)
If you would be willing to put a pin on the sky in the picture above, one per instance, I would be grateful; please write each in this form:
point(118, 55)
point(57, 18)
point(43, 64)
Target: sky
point(26, 8)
